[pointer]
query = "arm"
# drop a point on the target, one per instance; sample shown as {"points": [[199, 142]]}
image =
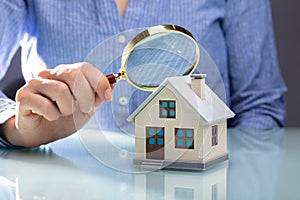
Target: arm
{"points": [[257, 88], [12, 25]]}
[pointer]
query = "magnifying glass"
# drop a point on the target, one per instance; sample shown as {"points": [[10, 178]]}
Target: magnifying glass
{"points": [[155, 54]]}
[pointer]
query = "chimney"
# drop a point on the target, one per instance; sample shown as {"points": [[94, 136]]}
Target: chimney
{"points": [[198, 84]]}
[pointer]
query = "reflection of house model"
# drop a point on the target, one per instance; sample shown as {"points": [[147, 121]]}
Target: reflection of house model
{"points": [[181, 125], [210, 185]]}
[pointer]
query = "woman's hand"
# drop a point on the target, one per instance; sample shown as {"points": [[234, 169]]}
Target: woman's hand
{"points": [[56, 104]]}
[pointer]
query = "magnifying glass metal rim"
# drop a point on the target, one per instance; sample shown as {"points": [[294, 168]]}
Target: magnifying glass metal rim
{"points": [[155, 30]]}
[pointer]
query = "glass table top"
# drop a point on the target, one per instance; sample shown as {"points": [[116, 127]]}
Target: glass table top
{"points": [[88, 165]]}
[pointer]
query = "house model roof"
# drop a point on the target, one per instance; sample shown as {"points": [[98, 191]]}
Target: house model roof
{"points": [[211, 109]]}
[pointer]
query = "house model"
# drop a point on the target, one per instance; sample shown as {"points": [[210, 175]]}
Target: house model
{"points": [[181, 125]]}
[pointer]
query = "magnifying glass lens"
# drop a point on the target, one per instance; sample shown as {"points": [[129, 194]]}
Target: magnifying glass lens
{"points": [[155, 54], [160, 56]]}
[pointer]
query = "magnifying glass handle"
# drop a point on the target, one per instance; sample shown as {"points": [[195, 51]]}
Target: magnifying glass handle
{"points": [[113, 78]]}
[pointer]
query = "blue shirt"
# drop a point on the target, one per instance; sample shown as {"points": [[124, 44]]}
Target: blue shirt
{"points": [[237, 34]]}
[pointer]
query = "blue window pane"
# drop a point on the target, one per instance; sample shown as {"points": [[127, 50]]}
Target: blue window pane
{"points": [[160, 141], [172, 104], [164, 104], [180, 143], [214, 130], [164, 113], [189, 133], [189, 143], [184, 193], [180, 133], [180, 195], [189, 196], [151, 141], [172, 113], [160, 132], [151, 132], [214, 141]]}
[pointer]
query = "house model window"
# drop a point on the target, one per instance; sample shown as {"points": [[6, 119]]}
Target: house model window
{"points": [[155, 136], [184, 193], [214, 139], [184, 138], [167, 109]]}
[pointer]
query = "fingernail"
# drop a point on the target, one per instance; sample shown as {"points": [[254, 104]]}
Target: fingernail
{"points": [[107, 94]]}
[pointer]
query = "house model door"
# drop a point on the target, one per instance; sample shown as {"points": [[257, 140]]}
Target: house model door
{"points": [[155, 142]]}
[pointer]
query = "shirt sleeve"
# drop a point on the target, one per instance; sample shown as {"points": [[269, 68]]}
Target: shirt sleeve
{"points": [[12, 28], [7, 110], [256, 86]]}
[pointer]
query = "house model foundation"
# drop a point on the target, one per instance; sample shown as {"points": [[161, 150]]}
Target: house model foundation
{"points": [[181, 125]]}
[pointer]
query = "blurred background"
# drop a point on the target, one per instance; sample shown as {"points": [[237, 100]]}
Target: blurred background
{"points": [[287, 35]]}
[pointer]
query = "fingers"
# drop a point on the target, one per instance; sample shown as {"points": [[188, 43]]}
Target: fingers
{"points": [[99, 83], [57, 92], [30, 102], [48, 98], [83, 80]]}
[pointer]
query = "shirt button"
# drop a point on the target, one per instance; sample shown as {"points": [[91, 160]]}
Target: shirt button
{"points": [[123, 101], [122, 38]]}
